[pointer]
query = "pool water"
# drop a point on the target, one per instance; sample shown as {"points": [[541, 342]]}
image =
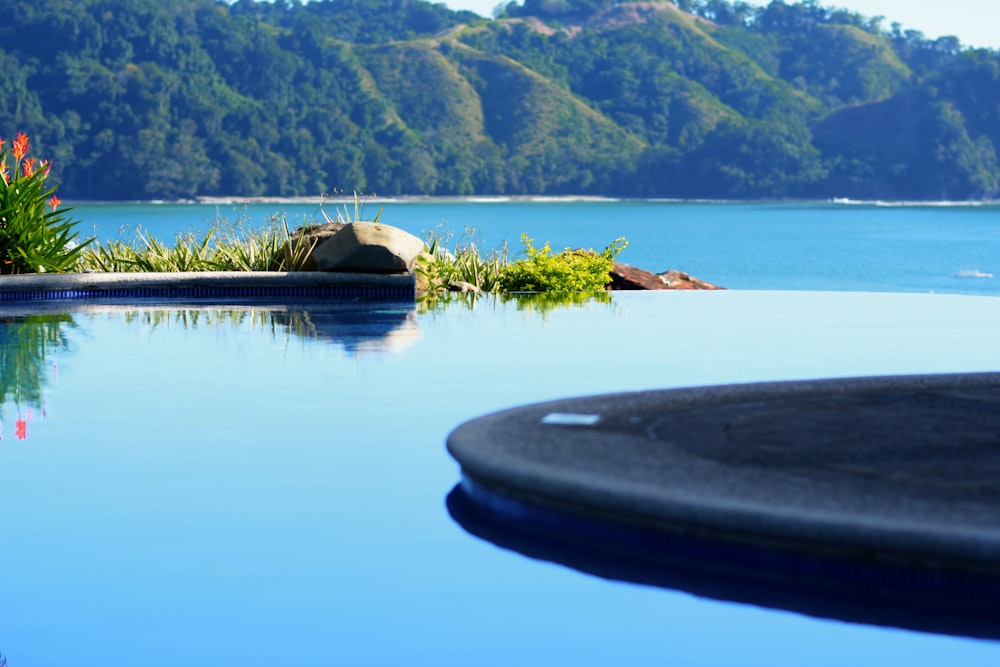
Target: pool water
{"points": [[220, 484]]}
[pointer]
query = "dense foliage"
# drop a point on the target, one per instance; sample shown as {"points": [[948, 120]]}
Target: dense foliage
{"points": [[36, 235], [151, 99], [566, 271], [536, 270]]}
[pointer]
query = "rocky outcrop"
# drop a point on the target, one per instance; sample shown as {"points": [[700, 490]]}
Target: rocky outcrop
{"points": [[680, 280], [366, 247], [626, 277]]}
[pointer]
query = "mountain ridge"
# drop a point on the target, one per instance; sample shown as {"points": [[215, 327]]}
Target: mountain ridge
{"points": [[699, 98]]}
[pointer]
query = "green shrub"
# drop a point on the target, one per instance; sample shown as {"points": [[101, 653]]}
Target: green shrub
{"points": [[35, 235], [567, 271], [582, 271], [442, 268]]}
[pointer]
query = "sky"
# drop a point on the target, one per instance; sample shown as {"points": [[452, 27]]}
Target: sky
{"points": [[974, 22]]}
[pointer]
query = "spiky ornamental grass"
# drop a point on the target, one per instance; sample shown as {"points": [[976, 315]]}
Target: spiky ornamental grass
{"points": [[224, 247]]}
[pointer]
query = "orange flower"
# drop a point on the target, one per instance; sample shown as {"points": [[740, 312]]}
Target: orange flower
{"points": [[54, 202], [20, 147], [21, 429], [47, 167], [29, 167]]}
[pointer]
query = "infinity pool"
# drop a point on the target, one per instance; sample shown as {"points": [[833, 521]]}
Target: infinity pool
{"points": [[219, 484]]}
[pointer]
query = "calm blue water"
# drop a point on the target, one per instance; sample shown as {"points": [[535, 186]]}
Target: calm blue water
{"points": [[266, 485], [822, 246]]}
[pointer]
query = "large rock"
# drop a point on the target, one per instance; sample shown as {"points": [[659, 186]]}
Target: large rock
{"points": [[297, 251], [626, 277], [368, 247]]}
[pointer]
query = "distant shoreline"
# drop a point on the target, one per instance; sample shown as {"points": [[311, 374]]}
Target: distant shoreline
{"points": [[526, 199]]}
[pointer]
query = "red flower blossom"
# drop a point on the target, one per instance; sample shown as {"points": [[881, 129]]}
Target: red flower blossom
{"points": [[21, 429], [20, 147], [29, 167], [54, 202]]}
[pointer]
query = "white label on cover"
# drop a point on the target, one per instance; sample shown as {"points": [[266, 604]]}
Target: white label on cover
{"points": [[570, 419]]}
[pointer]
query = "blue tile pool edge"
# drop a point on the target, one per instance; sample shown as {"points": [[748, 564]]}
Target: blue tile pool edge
{"points": [[208, 285]]}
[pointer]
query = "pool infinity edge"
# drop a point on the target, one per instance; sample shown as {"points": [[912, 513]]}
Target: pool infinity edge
{"points": [[209, 284]]}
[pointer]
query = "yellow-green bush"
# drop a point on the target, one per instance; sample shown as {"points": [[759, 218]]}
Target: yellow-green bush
{"points": [[567, 271]]}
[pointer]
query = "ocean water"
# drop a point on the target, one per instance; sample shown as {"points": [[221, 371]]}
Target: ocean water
{"points": [[212, 484], [839, 246]]}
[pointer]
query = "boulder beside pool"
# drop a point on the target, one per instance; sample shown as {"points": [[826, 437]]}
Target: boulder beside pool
{"points": [[297, 251], [368, 247]]}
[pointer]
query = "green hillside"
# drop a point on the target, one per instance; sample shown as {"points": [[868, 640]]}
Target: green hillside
{"points": [[164, 99]]}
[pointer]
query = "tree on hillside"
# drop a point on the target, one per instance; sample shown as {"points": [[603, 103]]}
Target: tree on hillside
{"points": [[144, 99]]}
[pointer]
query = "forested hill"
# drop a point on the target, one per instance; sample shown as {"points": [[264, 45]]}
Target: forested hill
{"points": [[151, 99]]}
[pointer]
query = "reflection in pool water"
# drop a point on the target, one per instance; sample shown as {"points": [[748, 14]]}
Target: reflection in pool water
{"points": [[26, 342], [879, 593], [241, 485]]}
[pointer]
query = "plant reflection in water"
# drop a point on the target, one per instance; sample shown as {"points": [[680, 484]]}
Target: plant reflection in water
{"points": [[542, 303], [27, 342], [358, 327]]}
